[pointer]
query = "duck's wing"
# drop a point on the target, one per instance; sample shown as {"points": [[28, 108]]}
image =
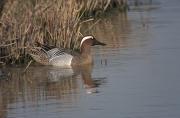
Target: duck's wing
{"points": [[43, 56], [51, 51], [48, 54], [55, 52]]}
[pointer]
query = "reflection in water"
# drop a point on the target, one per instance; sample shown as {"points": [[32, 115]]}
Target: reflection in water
{"points": [[113, 30], [4, 73], [45, 83]]}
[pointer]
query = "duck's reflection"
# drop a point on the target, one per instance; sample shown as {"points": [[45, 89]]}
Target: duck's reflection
{"points": [[41, 83], [52, 80], [90, 84], [57, 76]]}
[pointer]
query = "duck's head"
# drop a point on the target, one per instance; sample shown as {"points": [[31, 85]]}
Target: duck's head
{"points": [[90, 41]]}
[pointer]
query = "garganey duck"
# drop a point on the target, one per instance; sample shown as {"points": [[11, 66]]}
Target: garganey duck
{"points": [[50, 55]]}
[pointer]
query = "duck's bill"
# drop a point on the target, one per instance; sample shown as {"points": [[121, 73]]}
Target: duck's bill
{"points": [[99, 43]]}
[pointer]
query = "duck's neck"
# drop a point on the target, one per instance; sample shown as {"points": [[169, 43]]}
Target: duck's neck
{"points": [[86, 54]]}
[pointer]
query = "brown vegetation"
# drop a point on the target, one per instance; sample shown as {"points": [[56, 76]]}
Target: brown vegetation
{"points": [[55, 22]]}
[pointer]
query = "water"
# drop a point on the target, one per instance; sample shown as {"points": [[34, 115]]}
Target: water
{"points": [[135, 76]]}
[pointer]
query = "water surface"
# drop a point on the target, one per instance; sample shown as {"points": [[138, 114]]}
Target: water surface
{"points": [[135, 76]]}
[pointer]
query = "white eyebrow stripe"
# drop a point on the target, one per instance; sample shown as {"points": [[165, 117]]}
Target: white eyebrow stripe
{"points": [[85, 38]]}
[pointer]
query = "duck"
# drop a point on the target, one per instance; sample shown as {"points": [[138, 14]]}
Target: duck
{"points": [[61, 57]]}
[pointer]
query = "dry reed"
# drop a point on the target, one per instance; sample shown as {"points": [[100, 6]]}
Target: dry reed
{"points": [[55, 22]]}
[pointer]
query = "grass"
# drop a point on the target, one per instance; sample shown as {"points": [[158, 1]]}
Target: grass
{"points": [[54, 22]]}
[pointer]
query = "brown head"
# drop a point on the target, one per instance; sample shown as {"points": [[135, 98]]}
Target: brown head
{"points": [[88, 41], [85, 48]]}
